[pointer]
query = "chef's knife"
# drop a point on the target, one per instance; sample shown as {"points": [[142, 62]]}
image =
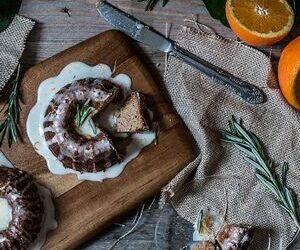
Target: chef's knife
{"points": [[142, 33]]}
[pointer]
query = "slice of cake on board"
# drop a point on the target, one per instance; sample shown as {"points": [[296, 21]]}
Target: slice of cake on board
{"points": [[133, 116]]}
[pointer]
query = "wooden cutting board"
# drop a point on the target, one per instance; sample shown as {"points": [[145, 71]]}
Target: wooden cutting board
{"points": [[84, 208]]}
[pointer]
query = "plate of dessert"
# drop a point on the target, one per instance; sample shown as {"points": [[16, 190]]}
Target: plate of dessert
{"points": [[115, 129], [26, 209], [90, 122]]}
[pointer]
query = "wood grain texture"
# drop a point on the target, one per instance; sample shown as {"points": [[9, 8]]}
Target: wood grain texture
{"points": [[55, 31], [157, 229], [84, 207]]}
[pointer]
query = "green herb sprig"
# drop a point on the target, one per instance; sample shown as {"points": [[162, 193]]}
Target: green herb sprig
{"points": [[251, 146], [84, 112], [9, 128], [199, 221], [151, 3]]}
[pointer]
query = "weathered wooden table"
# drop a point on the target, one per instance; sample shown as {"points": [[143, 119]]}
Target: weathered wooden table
{"points": [[55, 31]]}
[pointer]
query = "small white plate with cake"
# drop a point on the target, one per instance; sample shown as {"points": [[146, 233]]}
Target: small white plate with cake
{"points": [[27, 211], [123, 122]]}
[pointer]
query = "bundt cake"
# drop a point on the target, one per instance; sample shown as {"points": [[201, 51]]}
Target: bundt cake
{"points": [[91, 153], [133, 116], [22, 195], [73, 149], [235, 237]]}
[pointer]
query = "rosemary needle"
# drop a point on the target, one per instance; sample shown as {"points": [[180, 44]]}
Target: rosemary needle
{"points": [[250, 145], [9, 127]]}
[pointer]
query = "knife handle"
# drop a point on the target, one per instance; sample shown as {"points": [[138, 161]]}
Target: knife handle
{"points": [[245, 90]]}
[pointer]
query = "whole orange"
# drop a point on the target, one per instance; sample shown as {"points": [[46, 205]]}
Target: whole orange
{"points": [[260, 22], [289, 73]]}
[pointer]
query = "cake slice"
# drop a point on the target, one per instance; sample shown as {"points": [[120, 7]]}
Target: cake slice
{"points": [[133, 115], [235, 237]]}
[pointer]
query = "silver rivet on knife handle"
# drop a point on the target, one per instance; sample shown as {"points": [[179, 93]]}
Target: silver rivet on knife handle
{"points": [[142, 33]]}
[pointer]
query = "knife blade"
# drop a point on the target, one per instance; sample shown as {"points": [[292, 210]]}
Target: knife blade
{"points": [[144, 34]]}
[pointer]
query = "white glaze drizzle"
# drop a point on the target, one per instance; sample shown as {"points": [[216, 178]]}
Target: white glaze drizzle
{"points": [[108, 119], [4, 161], [87, 131], [49, 222], [5, 214], [46, 92]]}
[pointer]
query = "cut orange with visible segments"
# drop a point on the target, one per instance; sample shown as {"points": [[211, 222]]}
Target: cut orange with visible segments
{"points": [[289, 73], [260, 22]]}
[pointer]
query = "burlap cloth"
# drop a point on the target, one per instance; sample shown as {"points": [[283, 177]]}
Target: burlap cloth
{"points": [[206, 107], [12, 44]]}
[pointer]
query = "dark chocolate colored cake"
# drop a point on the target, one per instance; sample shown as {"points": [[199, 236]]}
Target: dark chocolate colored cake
{"points": [[74, 150], [18, 188]]}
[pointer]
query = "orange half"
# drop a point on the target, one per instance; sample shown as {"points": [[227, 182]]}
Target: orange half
{"points": [[260, 22], [289, 73]]}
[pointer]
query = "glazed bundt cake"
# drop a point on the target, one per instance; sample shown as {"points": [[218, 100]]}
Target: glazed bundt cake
{"points": [[133, 116], [73, 149], [87, 153], [22, 195]]}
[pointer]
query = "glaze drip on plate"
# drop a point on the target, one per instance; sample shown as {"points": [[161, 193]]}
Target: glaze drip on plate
{"points": [[32, 209], [18, 188], [5, 214], [47, 90]]}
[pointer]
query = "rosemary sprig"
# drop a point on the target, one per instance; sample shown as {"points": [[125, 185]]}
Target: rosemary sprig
{"points": [[251, 146], [9, 128], [151, 3], [84, 112], [199, 221]]}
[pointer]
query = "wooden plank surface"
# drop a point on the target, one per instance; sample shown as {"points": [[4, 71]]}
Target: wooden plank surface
{"points": [[55, 31], [85, 207]]}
